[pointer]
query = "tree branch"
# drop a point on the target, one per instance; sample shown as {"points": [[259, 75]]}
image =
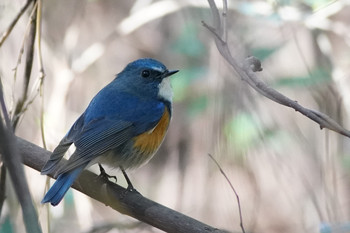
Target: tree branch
{"points": [[252, 64], [19, 109], [234, 191], [6, 33], [115, 196], [12, 161]]}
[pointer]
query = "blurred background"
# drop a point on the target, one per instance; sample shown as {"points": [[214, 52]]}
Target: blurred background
{"points": [[290, 175]]}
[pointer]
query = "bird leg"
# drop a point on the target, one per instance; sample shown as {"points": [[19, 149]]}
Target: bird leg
{"points": [[104, 175], [130, 186]]}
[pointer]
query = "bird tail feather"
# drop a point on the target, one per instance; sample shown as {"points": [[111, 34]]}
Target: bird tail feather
{"points": [[56, 156], [61, 186]]}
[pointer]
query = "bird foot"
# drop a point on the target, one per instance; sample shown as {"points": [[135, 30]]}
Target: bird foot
{"points": [[104, 175]]}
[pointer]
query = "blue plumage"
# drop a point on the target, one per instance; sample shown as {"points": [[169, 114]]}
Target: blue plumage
{"points": [[125, 112], [61, 186]]}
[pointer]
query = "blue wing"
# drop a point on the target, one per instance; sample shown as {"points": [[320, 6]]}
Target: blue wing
{"points": [[63, 146], [98, 137]]}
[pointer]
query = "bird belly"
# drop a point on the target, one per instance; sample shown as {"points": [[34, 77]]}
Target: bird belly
{"points": [[140, 149]]}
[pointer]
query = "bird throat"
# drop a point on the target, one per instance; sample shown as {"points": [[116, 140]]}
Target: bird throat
{"points": [[165, 91]]}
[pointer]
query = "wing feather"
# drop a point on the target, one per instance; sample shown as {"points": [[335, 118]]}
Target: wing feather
{"points": [[63, 146], [102, 135]]}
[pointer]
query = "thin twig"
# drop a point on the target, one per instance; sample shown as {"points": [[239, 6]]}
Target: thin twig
{"points": [[3, 107], [27, 71], [3, 169], [247, 74], [7, 32], [233, 189], [21, 51], [20, 106], [41, 71], [2, 185], [224, 20]]}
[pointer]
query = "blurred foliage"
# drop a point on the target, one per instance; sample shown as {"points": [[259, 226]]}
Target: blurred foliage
{"points": [[197, 106], [318, 76], [242, 131], [188, 43], [316, 4], [182, 83], [263, 53]]}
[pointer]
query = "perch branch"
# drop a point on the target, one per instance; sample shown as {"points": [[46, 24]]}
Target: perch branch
{"points": [[115, 196]]}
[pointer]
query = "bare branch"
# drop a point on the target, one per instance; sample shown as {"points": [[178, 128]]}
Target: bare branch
{"points": [[12, 160], [27, 71], [41, 70], [233, 189], [3, 170], [247, 73], [7, 32], [2, 185]]}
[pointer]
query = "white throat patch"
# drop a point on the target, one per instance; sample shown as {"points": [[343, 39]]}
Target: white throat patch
{"points": [[165, 90]]}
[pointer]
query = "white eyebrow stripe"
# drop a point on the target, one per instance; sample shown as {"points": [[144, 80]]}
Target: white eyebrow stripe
{"points": [[157, 68]]}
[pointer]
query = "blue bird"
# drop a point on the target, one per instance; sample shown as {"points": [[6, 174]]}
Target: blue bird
{"points": [[123, 126]]}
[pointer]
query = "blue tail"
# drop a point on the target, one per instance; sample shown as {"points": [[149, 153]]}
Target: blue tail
{"points": [[61, 186]]}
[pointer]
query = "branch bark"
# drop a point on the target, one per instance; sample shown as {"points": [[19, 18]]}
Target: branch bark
{"points": [[115, 196]]}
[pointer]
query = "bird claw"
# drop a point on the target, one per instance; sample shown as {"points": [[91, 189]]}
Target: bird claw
{"points": [[104, 175], [129, 189]]}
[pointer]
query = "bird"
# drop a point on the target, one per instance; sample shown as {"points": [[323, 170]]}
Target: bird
{"points": [[123, 126]]}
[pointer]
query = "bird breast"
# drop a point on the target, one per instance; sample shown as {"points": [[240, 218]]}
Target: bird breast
{"points": [[147, 143]]}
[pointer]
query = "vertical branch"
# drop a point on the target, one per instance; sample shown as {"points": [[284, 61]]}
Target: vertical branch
{"points": [[28, 69], [14, 165], [41, 71], [2, 185], [11, 159], [224, 20], [3, 170]]}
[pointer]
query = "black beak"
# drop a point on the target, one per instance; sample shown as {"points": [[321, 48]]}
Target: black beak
{"points": [[168, 73]]}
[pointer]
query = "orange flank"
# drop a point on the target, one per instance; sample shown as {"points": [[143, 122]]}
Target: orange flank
{"points": [[148, 142]]}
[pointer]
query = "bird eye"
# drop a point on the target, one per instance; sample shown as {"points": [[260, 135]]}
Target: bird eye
{"points": [[145, 73]]}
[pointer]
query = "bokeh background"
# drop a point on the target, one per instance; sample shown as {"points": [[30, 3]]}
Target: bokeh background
{"points": [[290, 175]]}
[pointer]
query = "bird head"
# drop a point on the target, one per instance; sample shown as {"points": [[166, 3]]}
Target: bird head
{"points": [[148, 78]]}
